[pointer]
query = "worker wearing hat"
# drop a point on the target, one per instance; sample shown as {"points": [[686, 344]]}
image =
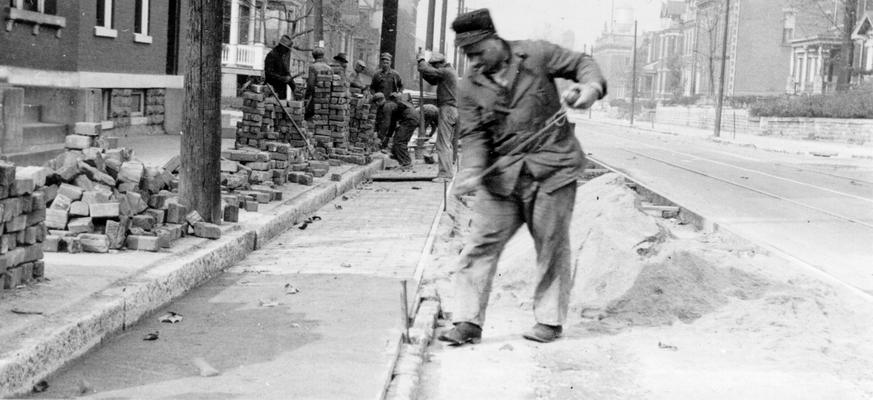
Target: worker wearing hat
{"points": [[386, 81], [318, 66], [437, 72], [277, 65], [359, 76], [510, 122]]}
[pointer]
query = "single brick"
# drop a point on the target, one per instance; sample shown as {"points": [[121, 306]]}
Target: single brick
{"points": [[143, 221], [105, 210], [81, 225], [145, 243], [79, 209], [78, 142], [207, 230], [94, 243]]}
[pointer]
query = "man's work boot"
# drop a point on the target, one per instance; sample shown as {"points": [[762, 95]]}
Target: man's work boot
{"points": [[543, 333], [463, 332]]}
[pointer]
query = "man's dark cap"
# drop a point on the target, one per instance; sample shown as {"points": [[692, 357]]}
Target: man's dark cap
{"points": [[385, 56], [317, 53], [341, 57], [473, 27]]}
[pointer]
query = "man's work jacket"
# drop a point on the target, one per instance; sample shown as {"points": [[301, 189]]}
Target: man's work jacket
{"points": [[446, 80], [386, 82], [315, 68], [277, 72], [496, 119]]}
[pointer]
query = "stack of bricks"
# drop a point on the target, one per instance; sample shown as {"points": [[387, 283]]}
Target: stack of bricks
{"points": [[339, 108], [23, 210], [258, 125], [362, 124], [103, 199], [321, 98], [294, 130], [247, 172]]}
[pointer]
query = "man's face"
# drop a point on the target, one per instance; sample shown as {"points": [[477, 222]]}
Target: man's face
{"points": [[344, 64], [385, 64], [359, 68], [487, 55]]}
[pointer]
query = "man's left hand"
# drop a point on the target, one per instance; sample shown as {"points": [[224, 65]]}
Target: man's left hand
{"points": [[581, 96]]}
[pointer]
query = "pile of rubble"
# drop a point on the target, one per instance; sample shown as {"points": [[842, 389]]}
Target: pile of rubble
{"points": [[23, 209], [102, 199]]}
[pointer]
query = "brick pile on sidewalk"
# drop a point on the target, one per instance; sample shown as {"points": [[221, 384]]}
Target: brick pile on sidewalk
{"points": [[102, 199], [23, 211], [362, 132]]}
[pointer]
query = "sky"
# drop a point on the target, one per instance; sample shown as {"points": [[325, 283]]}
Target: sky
{"points": [[548, 19]]}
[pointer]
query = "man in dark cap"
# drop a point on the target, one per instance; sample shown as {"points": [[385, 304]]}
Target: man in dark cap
{"points": [[437, 72], [277, 65], [509, 116], [386, 81], [407, 122], [359, 77], [318, 66]]}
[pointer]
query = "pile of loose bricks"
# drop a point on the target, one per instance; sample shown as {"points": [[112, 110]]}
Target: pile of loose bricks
{"points": [[362, 133], [23, 208], [101, 199]]}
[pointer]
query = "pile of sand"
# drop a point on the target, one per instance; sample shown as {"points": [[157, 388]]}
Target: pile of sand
{"points": [[630, 269]]}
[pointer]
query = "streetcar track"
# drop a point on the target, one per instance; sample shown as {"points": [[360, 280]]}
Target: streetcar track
{"points": [[832, 191], [848, 178], [749, 188]]}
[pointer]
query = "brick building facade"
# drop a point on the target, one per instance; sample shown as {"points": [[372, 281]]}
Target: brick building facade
{"points": [[111, 61]]}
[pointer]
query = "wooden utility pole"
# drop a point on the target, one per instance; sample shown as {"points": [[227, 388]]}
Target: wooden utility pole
{"points": [[431, 11], [318, 7], [201, 141], [633, 108], [720, 101], [388, 39], [443, 25]]}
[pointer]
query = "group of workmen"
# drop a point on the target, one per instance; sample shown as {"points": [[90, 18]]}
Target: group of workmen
{"points": [[396, 118], [520, 156]]}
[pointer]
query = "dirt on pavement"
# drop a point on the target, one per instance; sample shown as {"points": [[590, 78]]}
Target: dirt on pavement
{"points": [[659, 311]]}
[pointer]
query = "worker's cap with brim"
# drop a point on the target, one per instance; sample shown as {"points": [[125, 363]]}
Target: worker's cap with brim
{"points": [[341, 57], [378, 96], [317, 52], [436, 57], [473, 27], [361, 64], [386, 56], [286, 41]]}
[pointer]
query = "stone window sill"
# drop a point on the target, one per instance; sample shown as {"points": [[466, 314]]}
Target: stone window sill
{"points": [[14, 15], [140, 38], [103, 31]]}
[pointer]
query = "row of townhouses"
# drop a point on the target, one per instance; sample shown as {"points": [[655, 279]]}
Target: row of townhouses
{"points": [[122, 63], [773, 47]]}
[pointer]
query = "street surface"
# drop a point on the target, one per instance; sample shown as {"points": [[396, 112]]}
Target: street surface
{"points": [[314, 314], [816, 209]]}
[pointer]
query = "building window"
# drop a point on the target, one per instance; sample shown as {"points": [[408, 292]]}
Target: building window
{"points": [[137, 103], [107, 104], [141, 22], [105, 24], [788, 22], [41, 6]]}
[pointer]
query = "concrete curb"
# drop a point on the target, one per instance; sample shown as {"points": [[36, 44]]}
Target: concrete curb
{"points": [[407, 369], [59, 339]]}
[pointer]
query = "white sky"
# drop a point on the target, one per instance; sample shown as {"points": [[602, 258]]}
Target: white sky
{"points": [[545, 19]]}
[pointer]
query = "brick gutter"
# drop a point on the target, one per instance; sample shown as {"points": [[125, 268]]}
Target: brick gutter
{"points": [[63, 336]]}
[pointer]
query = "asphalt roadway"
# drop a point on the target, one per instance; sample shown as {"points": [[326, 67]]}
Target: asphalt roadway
{"points": [[816, 210]]}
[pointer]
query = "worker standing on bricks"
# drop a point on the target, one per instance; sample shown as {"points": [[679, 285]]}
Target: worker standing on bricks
{"points": [[514, 132]]}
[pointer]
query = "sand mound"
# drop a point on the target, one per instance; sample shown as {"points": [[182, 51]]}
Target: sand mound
{"points": [[684, 286]]}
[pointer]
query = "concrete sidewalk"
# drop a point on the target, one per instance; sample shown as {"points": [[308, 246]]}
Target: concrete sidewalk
{"points": [[91, 296], [767, 143]]}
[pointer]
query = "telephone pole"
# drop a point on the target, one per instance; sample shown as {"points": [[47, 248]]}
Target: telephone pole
{"points": [[431, 11], [388, 39], [201, 144], [318, 8], [443, 25], [720, 102], [633, 108]]}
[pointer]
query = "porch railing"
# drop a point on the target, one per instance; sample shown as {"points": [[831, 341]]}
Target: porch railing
{"points": [[243, 56]]}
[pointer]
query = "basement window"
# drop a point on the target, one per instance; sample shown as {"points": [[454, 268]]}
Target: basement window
{"points": [[137, 103]]}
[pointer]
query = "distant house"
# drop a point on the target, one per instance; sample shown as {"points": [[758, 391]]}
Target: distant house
{"points": [[863, 36], [110, 61]]}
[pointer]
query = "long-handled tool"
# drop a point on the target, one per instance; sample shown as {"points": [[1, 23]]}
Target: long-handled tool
{"points": [[558, 119], [309, 147]]}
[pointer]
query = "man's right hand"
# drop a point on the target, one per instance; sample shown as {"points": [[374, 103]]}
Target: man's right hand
{"points": [[467, 180]]}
